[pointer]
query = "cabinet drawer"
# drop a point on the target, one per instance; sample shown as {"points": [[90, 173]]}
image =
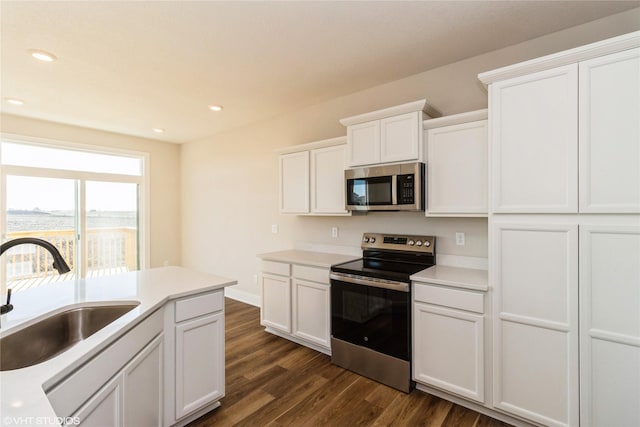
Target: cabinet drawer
{"points": [[314, 274], [447, 297], [199, 305], [279, 268]]}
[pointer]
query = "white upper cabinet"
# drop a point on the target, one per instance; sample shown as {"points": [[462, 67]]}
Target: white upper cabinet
{"points": [[294, 182], [364, 143], [610, 133], [457, 165], [567, 139], [534, 122], [400, 137], [327, 180], [387, 136], [312, 178]]}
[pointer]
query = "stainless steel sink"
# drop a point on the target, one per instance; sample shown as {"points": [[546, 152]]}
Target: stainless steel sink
{"points": [[55, 334]]}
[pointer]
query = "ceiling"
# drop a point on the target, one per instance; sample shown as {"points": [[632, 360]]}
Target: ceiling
{"points": [[131, 66]]}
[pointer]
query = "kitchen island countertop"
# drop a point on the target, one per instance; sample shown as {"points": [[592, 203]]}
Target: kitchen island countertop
{"points": [[23, 399]]}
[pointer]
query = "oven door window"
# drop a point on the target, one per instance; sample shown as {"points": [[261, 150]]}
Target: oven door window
{"points": [[369, 191], [372, 317]]}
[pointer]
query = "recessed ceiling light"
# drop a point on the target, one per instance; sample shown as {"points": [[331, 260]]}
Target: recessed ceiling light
{"points": [[42, 55], [216, 107], [158, 130], [14, 101]]}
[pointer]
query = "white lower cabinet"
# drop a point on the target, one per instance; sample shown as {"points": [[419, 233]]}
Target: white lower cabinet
{"points": [[198, 381], [122, 385], [143, 387], [275, 311], [535, 320], [610, 325], [296, 303], [448, 336], [105, 408], [132, 398], [548, 272], [311, 321]]}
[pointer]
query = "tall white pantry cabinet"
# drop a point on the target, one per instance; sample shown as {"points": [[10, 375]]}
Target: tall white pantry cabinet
{"points": [[565, 235]]}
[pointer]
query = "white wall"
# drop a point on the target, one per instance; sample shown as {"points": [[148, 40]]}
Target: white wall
{"points": [[229, 180], [164, 158]]}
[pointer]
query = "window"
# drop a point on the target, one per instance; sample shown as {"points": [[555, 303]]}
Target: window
{"points": [[88, 203]]}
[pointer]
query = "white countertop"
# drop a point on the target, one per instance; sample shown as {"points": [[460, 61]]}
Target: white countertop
{"points": [[22, 398], [316, 259], [466, 278]]}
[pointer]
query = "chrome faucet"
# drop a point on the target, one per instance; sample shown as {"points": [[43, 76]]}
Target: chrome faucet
{"points": [[58, 262]]}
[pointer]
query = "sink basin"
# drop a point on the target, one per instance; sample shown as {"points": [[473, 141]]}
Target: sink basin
{"points": [[55, 334]]}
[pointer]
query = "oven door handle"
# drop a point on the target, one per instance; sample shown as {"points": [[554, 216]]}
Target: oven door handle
{"points": [[370, 281]]}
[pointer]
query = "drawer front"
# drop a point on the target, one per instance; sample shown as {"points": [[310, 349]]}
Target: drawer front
{"points": [[279, 268], [448, 297], [191, 307], [313, 274]]}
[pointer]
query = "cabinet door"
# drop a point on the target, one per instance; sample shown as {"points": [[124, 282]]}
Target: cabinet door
{"points": [[311, 311], [294, 182], [327, 180], [363, 141], [534, 141], [199, 363], [275, 311], [105, 408], [143, 387], [609, 133], [535, 347], [610, 325], [449, 350], [457, 168], [400, 137]]}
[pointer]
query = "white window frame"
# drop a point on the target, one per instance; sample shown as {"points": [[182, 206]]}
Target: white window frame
{"points": [[143, 182]]}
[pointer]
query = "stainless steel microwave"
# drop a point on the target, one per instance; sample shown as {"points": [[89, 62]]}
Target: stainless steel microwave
{"points": [[398, 187]]}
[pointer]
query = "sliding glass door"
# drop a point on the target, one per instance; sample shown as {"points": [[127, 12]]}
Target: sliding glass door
{"points": [[88, 205], [45, 208]]}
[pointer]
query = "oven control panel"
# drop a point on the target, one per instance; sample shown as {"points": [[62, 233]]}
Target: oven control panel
{"points": [[425, 244]]}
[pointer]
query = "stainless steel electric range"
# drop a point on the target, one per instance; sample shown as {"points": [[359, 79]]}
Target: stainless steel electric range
{"points": [[371, 307]]}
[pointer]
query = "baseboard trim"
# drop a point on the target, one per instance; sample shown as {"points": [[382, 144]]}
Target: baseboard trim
{"points": [[242, 296]]}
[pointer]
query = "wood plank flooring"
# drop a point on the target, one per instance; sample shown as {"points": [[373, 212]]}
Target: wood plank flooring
{"points": [[271, 381]]}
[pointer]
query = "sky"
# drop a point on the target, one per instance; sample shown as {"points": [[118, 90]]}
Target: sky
{"points": [[27, 193], [51, 194]]}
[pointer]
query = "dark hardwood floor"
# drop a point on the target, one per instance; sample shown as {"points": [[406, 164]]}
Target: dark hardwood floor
{"points": [[271, 381]]}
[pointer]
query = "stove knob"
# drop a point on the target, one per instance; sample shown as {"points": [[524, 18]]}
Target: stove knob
{"points": [[411, 243], [418, 243], [372, 240], [427, 243], [365, 239]]}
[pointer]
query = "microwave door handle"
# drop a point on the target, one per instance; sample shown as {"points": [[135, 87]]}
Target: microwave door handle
{"points": [[394, 190]]}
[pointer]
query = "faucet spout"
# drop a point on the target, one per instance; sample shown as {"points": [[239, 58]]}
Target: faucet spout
{"points": [[58, 262]]}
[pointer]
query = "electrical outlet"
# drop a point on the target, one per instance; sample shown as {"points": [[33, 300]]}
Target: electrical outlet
{"points": [[274, 228], [255, 278], [334, 231], [460, 239]]}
